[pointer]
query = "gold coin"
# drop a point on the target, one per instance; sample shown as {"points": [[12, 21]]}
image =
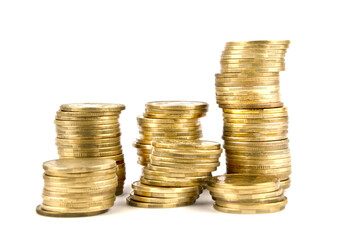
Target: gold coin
{"points": [[88, 154], [166, 183], [161, 200], [248, 84], [276, 162], [78, 204], [237, 181], [252, 55], [176, 112], [87, 114], [92, 107], [260, 105], [78, 166], [256, 111], [92, 123], [170, 125], [165, 195], [169, 130], [197, 144], [258, 46], [72, 180], [257, 166], [171, 190], [247, 60], [156, 205], [246, 75], [87, 198], [186, 161], [183, 156], [174, 175], [194, 166], [253, 206], [241, 197], [255, 139], [85, 137], [93, 189], [187, 181], [187, 151], [77, 149], [71, 118], [177, 105], [171, 116], [178, 170], [46, 213], [87, 131], [248, 211], [142, 119], [228, 51], [260, 42], [148, 139], [103, 182], [142, 146], [261, 200], [76, 210], [285, 184]]}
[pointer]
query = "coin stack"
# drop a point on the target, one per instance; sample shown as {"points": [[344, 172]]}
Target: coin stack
{"points": [[176, 173], [168, 120], [247, 194], [255, 121], [78, 188], [91, 131]]}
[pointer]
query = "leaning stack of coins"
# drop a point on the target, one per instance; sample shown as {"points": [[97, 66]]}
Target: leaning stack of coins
{"points": [[78, 188], [168, 120], [91, 131], [255, 121], [176, 173], [247, 194]]}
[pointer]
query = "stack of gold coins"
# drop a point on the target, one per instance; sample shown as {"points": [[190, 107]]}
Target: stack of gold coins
{"points": [[255, 121], [247, 194], [168, 120], [91, 131], [176, 173], [78, 188]]}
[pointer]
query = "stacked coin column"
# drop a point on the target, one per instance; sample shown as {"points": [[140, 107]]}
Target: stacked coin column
{"points": [[247, 194], [255, 121], [91, 131], [168, 120], [78, 188], [176, 173]]}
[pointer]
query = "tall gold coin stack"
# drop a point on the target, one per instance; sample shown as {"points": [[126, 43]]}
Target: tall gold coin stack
{"points": [[91, 131], [176, 173], [247, 194], [255, 121], [168, 120], [78, 188]]}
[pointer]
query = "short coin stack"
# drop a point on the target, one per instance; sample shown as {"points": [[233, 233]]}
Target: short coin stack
{"points": [[91, 131], [168, 120], [255, 121], [176, 173], [78, 188], [247, 194]]}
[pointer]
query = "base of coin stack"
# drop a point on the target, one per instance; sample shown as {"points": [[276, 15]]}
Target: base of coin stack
{"points": [[78, 188], [176, 173], [91, 131], [247, 194], [168, 120], [255, 121]]}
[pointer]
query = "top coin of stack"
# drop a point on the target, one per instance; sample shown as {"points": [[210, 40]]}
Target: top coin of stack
{"points": [[78, 188], [168, 120], [247, 194], [249, 75], [91, 131]]}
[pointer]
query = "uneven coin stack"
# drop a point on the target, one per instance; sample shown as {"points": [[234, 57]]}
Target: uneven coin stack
{"points": [[176, 173], [78, 188], [247, 194], [168, 120], [255, 121], [91, 131]]}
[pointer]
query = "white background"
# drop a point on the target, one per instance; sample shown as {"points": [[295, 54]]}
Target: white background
{"points": [[131, 52]]}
